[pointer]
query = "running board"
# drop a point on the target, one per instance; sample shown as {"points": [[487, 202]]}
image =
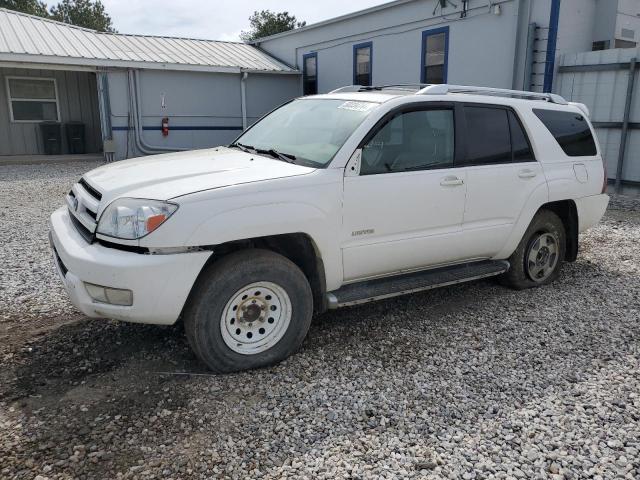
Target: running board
{"points": [[377, 289]]}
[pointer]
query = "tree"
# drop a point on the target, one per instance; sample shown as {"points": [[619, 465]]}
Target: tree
{"points": [[83, 13], [266, 22], [32, 7]]}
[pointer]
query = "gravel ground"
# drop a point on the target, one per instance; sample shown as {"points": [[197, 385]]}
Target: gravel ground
{"points": [[473, 381]]}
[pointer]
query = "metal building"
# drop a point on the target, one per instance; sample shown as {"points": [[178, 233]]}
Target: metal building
{"points": [[498, 43], [125, 88]]}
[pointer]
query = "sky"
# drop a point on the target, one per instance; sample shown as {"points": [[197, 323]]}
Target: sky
{"points": [[216, 19]]}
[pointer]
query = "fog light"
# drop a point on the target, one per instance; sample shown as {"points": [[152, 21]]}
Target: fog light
{"points": [[113, 296]]}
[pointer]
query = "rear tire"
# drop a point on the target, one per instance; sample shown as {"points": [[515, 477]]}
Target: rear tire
{"points": [[251, 309], [539, 256]]}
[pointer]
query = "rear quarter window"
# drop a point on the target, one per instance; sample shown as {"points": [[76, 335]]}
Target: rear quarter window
{"points": [[570, 130]]}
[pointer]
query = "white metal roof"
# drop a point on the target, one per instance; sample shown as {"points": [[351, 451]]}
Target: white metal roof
{"points": [[30, 39]]}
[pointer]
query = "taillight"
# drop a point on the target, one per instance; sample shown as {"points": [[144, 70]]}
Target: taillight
{"points": [[605, 179]]}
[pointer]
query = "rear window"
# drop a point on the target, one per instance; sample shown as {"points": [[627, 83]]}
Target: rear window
{"points": [[570, 130]]}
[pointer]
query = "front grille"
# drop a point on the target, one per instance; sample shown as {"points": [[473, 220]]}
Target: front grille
{"points": [[87, 234], [83, 201], [92, 191]]}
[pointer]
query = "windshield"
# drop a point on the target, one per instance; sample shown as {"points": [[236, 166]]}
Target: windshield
{"points": [[306, 131]]}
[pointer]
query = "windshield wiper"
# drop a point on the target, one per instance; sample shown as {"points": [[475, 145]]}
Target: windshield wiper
{"points": [[285, 157], [244, 148], [272, 152]]}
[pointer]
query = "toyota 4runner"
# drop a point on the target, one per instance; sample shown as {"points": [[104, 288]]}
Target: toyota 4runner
{"points": [[328, 201]]}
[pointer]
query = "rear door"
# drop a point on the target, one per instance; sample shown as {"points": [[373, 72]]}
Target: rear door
{"points": [[501, 173]]}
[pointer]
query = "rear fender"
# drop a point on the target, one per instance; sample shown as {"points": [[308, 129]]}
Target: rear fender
{"points": [[538, 197]]}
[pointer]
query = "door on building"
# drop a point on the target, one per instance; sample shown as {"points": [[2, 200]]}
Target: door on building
{"points": [[405, 208]]}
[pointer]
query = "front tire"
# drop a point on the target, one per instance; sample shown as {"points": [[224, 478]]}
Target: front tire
{"points": [[251, 309], [540, 254]]}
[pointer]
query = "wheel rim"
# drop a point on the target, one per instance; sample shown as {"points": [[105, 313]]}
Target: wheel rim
{"points": [[542, 256], [256, 318]]}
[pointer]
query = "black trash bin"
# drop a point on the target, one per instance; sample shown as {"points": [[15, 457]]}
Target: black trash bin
{"points": [[75, 137], [51, 137]]}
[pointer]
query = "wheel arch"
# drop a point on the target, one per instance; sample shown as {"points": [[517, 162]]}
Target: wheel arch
{"points": [[298, 247], [568, 213]]}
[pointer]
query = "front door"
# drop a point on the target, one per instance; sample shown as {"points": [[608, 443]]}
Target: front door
{"points": [[404, 209]]}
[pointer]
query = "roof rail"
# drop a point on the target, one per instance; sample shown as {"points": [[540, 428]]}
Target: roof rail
{"points": [[372, 88], [348, 88], [442, 89]]}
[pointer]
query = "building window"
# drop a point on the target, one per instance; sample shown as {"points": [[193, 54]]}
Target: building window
{"points": [[628, 33], [435, 55], [601, 45], [32, 99], [310, 73], [362, 73], [624, 44]]}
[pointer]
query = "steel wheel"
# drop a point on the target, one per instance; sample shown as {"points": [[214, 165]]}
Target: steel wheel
{"points": [[542, 257], [256, 318]]}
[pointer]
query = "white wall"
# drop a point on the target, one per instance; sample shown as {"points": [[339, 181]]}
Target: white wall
{"points": [[485, 49], [481, 46], [627, 18], [605, 21]]}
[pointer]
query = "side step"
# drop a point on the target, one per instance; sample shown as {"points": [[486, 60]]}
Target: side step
{"points": [[370, 290]]}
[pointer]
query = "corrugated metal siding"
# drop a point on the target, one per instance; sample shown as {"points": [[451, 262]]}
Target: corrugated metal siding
{"points": [[78, 100], [22, 34], [604, 92], [206, 114]]}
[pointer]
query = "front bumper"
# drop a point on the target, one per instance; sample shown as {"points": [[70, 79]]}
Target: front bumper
{"points": [[160, 283]]}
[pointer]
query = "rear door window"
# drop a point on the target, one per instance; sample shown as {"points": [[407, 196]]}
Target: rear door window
{"points": [[570, 130], [488, 136]]}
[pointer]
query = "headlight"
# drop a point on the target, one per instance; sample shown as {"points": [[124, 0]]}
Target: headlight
{"points": [[133, 218]]}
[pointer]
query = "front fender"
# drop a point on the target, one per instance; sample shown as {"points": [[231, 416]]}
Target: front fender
{"points": [[276, 219]]}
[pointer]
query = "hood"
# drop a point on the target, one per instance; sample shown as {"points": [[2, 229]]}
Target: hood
{"points": [[166, 176]]}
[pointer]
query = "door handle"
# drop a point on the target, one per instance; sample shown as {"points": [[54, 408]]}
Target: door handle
{"points": [[451, 181], [526, 173]]}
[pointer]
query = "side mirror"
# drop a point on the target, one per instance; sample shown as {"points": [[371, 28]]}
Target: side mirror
{"points": [[353, 165]]}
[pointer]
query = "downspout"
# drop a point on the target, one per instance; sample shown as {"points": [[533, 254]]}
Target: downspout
{"points": [[527, 81], [552, 37], [521, 24], [104, 104], [137, 121], [243, 99]]}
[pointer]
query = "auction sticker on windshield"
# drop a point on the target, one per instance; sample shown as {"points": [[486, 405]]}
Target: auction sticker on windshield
{"points": [[358, 106]]}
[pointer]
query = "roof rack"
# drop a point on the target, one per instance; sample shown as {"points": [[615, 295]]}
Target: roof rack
{"points": [[373, 88], [443, 89]]}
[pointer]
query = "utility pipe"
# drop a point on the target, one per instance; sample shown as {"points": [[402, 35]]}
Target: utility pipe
{"points": [[243, 99], [137, 121]]}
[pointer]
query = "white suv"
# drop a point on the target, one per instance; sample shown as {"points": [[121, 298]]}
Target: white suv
{"points": [[332, 200]]}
